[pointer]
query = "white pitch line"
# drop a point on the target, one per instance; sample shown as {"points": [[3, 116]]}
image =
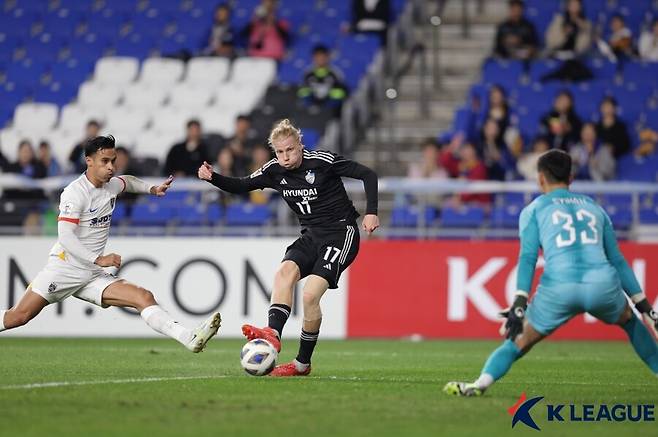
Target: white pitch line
{"points": [[108, 381]]}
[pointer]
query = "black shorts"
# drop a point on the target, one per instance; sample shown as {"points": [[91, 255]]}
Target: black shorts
{"points": [[326, 251]]}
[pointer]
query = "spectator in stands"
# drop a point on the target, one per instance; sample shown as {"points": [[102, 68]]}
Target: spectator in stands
{"points": [[323, 84], [49, 162], [590, 160], [649, 43], [27, 163], [496, 157], [527, 164], [267, 35], [562, 125], [498, 109], [77, 155], [570, 34], [648, 142], [469, 167], [516, 37], [429, 167], [260, 155], [4, 162], [123, 164], [221, 32], [184, 159], [621, 37], [371, 16], [242, 143], [226, 163], [612, 131]]}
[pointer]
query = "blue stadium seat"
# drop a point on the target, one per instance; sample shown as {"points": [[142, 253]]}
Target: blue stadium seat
{"points": [[152, 21], [407, 216], [62, 21], [310, 138], [541, 67], [106, 22], [506, 216], [152, 214], [631, 168], [59, 93], [192, 215], [89, 45], [12, 93], [650, 118], [17, 22], [73, 71], [290, 73], [134, 44], [468, 216], [120, 213], [33, 6], [8, 44], [27, 72], [215, 213], [44, 47], [247, 214], [639, 73], [649, 216], [505, 73], [602, 68], [622, 218], [631, 99]]}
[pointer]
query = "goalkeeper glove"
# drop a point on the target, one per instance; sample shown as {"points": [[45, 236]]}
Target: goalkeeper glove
{"points": [[516, 315], [644, 307]]}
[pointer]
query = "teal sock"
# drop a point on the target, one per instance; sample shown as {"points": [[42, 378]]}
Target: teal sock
{"points": [[500, 361], [642, 342]]}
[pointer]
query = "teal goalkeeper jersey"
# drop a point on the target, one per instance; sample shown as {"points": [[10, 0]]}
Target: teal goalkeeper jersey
{"points": [[578, 242]]}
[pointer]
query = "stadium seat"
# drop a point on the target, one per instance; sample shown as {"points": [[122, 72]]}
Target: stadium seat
{"points": [[62, 21], [506, 73], [37, 117], [97, 95], [126, 123], [238, 97], [89, 45], [247, 214], [649, 216], [253, 71], [74, 117], [9, 140], [206, 72], [134, 44], [45, 47], [506, 216], [161, 72], [61, 144], [154, 144], [187, 95], [116, 70], [72, 71], [215, 213], [59, 93], [140, 96], [219, 120], [152, 214], [27, 72], [467, 216], [171, 120], [407, 216]]}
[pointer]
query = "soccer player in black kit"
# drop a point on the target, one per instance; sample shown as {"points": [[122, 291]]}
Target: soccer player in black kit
{"points": [[310, 182]]}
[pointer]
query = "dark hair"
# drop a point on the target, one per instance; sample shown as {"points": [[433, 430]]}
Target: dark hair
{"points": [[320, 48], [44, 144], [99, 143], [123, 150], [93, 122], [566, 10], [243, 117], [555, 165], [511, 3], [193, 122], [609, 99]]}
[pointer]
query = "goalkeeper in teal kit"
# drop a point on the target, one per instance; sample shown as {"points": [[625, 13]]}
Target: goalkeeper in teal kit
{"points": [[584, 272]]}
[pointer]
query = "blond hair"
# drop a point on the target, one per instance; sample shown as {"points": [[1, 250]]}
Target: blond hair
{"points": [[282, 130]]}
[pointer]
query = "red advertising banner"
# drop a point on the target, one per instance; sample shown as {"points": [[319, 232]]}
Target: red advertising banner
{"points": [[454, 289]]}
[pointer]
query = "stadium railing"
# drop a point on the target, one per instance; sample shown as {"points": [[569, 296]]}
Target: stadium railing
{"points": [[416, 194]]}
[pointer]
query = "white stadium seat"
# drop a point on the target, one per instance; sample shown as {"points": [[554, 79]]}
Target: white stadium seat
{"points": [[61, 144], [96, 95], [9, 140], [74, 118], [156, 145], [240, 99], [253, 71], [203, 72], [144, 98], [35, 117], [172, 121], [116, 70], [161, 72], [125, 124], [218, 120], [187, 96]]}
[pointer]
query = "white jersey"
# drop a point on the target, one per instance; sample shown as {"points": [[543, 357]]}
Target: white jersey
{"points": [[91, 209]]}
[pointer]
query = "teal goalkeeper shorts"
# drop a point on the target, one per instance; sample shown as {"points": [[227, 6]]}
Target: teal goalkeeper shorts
{"points": [[552, 307]]}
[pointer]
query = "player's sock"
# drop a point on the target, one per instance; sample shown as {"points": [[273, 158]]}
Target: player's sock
{"points": [[301, 367], [2, 320], [278, 316], [161, 322], [307, 343], [499, 362], [642, 342]]}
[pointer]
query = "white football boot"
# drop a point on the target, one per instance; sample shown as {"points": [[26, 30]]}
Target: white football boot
{"points": [[204, 332]]}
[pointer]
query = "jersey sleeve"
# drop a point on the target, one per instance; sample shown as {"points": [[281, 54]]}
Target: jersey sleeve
{"points": [[345, 167], [258, 180], [117, 185], [71, 206], [628, 280], [530, 244]]}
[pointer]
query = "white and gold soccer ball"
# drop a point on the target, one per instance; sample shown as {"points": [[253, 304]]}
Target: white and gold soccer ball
{"points": [[258, 357]]}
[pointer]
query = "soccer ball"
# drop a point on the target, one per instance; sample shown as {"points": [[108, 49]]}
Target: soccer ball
{"points": [[258, 357]]}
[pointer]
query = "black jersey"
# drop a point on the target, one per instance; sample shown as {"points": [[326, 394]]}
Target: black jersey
{"points": [[314, 190]]}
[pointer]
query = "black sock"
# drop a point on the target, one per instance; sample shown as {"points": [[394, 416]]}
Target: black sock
{"points": [[307, 343], [278, 316]]}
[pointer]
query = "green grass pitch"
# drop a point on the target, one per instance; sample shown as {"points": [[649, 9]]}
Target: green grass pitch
{"points": [[156, 388]]}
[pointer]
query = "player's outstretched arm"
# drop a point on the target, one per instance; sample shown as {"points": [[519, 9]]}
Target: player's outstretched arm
{"points": [[352, 169], [132, 184], [232, 185]]}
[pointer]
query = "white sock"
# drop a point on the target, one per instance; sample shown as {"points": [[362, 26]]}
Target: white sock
{"points": [[2, 320], [301, 367], [484, 381], [161, 322]]}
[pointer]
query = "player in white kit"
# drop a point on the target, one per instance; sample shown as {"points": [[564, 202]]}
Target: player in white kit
{"points": [[76, 261]]}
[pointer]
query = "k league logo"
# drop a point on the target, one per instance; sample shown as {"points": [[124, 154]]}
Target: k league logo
{"points": [[563, 413]]}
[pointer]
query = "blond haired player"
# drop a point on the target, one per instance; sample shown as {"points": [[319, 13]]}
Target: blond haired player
{"points": [[76, 261], [310, 182]]}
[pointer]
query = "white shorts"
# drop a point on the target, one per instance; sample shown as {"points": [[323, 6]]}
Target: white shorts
{"points": [[59, 280]]}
